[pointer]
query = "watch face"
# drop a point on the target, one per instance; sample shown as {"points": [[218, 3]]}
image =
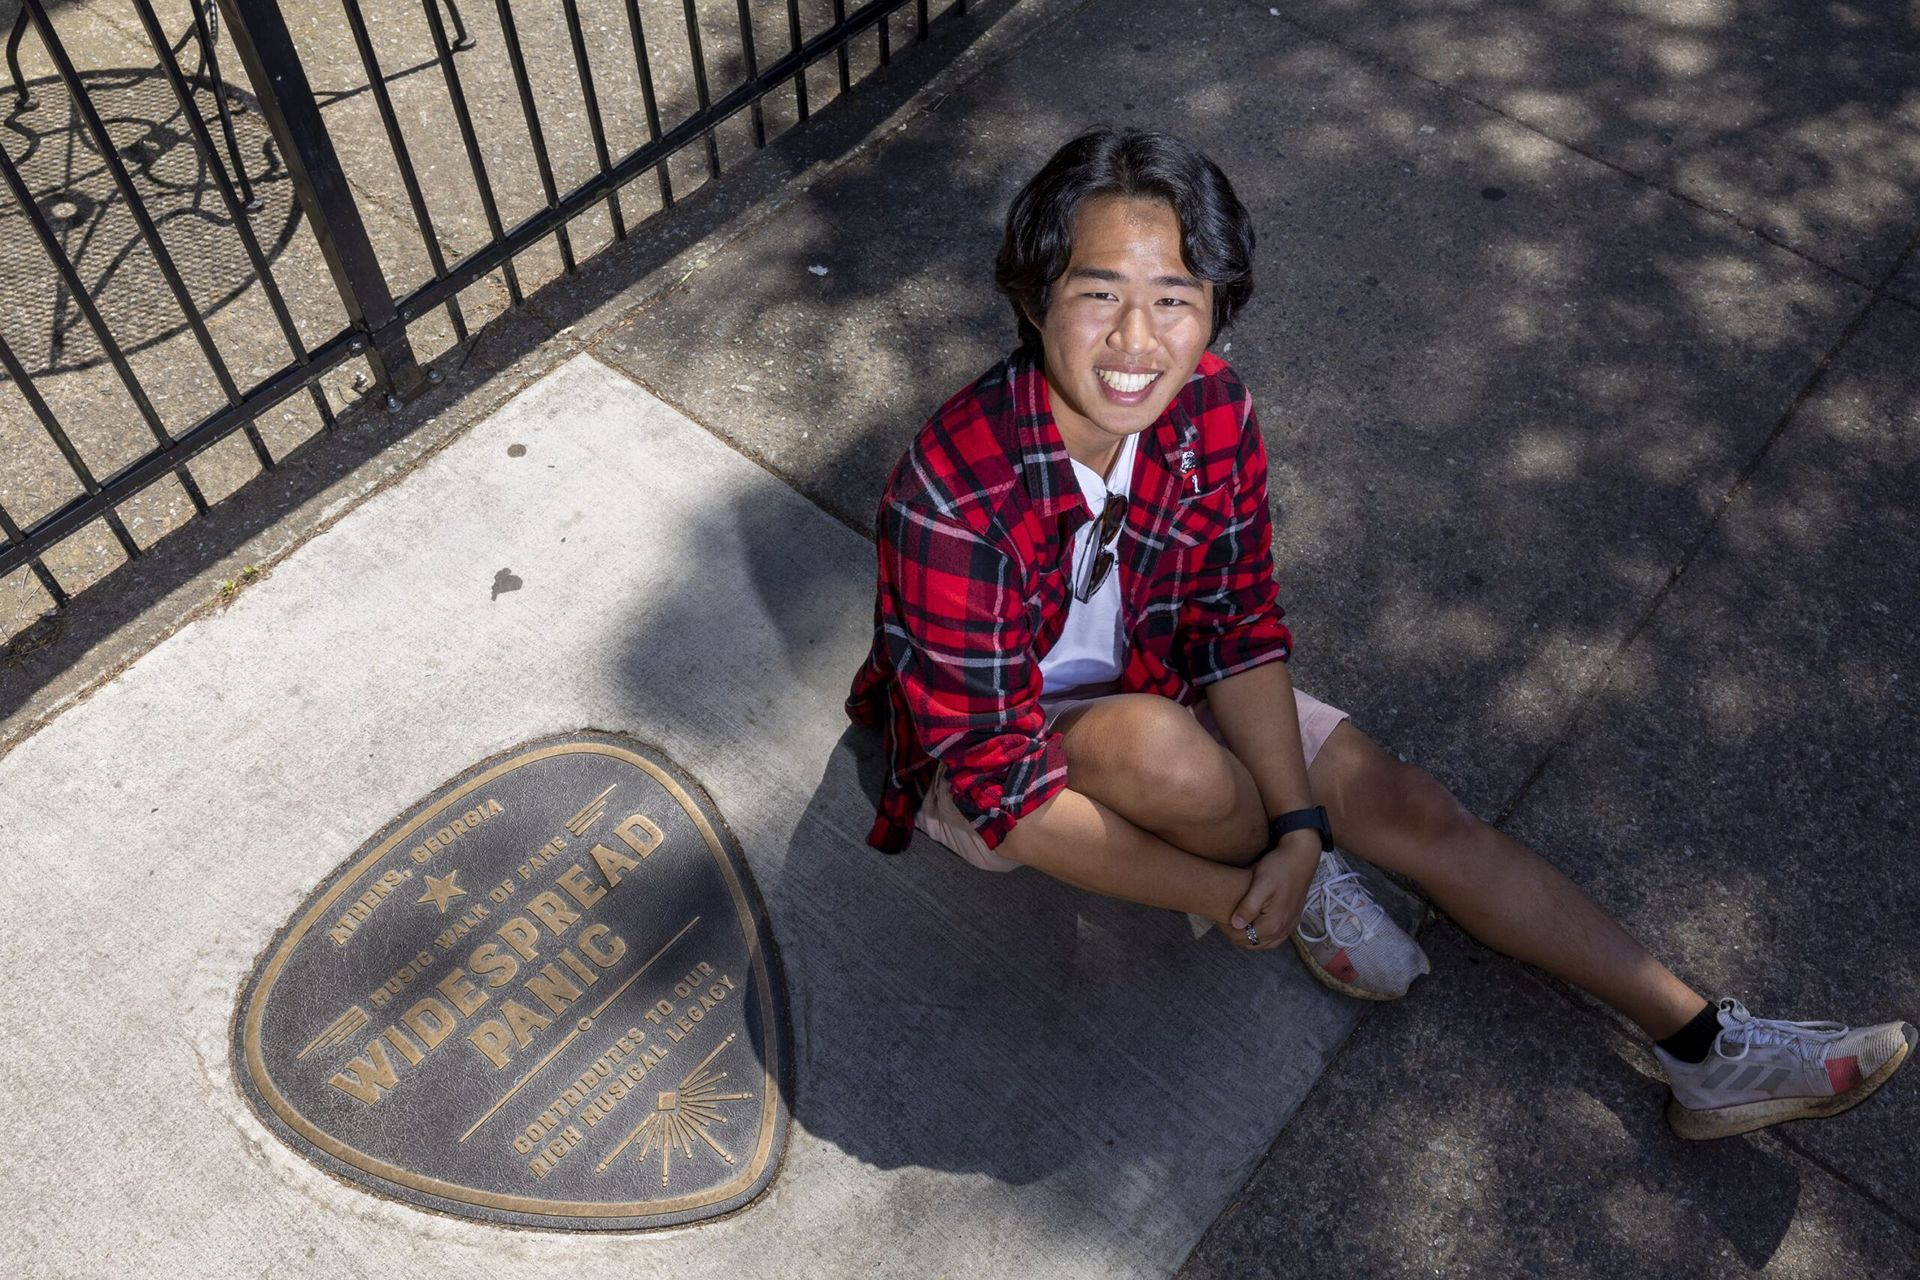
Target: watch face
{"points": [[1326, 828]]}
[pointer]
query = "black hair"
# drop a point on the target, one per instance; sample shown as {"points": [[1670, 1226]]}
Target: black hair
{"points": [[1216, 232]]}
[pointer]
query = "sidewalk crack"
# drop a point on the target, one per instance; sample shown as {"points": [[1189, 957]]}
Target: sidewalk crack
{"points": [[1385, 63]]}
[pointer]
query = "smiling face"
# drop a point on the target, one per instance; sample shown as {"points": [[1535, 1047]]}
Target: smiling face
{"points": [[1126, 325]]}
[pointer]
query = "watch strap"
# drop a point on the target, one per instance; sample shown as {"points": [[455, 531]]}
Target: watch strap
{"points": [[1299, 820]]}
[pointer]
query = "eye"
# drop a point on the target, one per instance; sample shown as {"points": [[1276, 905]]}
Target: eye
{"points": [[1173, 302]]}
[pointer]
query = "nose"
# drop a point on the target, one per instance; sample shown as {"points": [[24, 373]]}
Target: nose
{"points": [[1133, 334]]}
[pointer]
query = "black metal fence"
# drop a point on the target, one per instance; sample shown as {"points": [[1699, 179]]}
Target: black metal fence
{"points": [[111, 304]]}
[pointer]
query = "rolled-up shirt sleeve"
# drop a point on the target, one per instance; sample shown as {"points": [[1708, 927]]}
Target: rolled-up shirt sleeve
{"points": [[959, 641], [1230, 613]]}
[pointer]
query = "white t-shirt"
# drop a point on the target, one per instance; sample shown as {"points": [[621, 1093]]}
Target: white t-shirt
{"points": [[1092, 647]]}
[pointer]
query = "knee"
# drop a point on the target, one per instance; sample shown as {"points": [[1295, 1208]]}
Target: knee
{"points": [[1164, 757], [1423, 810]]}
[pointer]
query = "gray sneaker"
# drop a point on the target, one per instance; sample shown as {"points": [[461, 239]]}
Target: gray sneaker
{"points": [[1349, 942], [1762, 1071]]}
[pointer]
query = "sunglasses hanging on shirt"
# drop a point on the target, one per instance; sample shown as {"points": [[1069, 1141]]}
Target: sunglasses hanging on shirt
{"points": [[1112, 516]]}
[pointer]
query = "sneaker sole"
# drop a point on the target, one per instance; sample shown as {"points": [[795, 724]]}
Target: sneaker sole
{"points": [[1333, 983], [1725, 1122]]}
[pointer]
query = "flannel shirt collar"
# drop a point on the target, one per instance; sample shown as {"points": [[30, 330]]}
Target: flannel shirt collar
{"points": [[1165, 459]]}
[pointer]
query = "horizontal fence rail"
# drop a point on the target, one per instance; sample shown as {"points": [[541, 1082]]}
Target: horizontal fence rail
{"points": [[136, 254]]}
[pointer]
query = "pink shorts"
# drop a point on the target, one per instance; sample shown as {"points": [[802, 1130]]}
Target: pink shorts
{"points": [[940, 818]]}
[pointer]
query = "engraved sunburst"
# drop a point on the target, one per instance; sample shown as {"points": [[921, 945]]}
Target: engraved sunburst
{"points": [[682, 1115]]}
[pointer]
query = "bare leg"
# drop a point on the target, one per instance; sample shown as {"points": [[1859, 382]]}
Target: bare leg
{"points": [[1079, 840], [1148, 759], [1399, 817], [1156, 812]]}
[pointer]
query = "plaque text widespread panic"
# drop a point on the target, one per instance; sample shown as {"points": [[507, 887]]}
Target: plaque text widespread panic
{"points": [[547, 996]]}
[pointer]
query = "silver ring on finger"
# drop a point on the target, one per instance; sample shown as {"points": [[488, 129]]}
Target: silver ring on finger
{"points": [[1253, 936]]}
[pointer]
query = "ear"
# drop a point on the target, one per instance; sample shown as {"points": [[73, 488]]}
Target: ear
{"points": [[1037, 321]]}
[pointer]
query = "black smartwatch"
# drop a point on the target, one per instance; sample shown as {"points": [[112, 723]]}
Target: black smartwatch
{"points": [[1302, 819]]}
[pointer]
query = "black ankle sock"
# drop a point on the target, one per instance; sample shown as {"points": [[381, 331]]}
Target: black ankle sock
{"points": [[1694, 1041]]}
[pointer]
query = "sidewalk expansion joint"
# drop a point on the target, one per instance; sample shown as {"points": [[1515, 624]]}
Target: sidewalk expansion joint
{"points": [[909, 114], [1847, 1180], [1879, 292], [1617, 1026], [1584, 702], [923, 102], [1727, 216], [752, 455]]}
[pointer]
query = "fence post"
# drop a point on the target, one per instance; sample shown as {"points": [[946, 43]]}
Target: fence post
{"points": [[260, 34]]}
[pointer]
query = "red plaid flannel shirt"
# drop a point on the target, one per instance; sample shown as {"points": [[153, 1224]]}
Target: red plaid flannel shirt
{"points": [[975, 538]]}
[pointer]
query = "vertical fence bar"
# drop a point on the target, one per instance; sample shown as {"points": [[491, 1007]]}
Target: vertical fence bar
{"points": [[468, 140], [149, 233], [886, 37], [534, 133], [47, 580], [56, 433], [286, 98], [594, 124], [24, 101], [376, 81], [753, 72], [840, 20], [701, 97], [644, 65], [920, 21], [203, 142], [71, 278], [211, 63], [800, 75]]}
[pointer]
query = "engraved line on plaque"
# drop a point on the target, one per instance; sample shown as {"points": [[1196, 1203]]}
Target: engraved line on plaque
{"points": [[337, 1032], [582, 822]]}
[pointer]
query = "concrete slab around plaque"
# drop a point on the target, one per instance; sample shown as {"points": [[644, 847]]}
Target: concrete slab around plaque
{"points": [[992, 1075]]}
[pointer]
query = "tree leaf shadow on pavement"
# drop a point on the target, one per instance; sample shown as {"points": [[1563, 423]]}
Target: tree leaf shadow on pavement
{"points": [[1798, 119], [1498, 428], [1474, 1129]]}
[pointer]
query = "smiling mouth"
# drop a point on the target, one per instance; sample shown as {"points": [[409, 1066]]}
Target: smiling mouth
{"points": [[1127, 385]]}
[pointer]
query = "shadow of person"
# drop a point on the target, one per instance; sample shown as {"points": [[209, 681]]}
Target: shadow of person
{"points": [[1013, 1026], [1744, 1192]]}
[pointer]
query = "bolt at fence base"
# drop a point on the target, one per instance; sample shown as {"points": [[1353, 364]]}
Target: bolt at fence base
{"points": [[393, 404], [435, 376]]}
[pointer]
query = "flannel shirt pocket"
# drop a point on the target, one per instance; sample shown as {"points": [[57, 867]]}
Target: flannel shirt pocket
{"points": [[1201, 519]]}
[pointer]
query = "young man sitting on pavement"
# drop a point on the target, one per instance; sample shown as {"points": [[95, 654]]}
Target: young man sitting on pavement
{"points": [[1079, 662]]}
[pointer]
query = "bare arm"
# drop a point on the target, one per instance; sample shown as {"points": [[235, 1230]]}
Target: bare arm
{"points": [[1256, 714]]}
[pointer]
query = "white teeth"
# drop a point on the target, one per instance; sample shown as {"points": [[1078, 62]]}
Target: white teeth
{"points": [[1125, 383]]}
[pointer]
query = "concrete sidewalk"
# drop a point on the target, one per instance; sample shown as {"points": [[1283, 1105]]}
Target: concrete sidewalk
{"points": [[1585, 351], [998, 1075]]}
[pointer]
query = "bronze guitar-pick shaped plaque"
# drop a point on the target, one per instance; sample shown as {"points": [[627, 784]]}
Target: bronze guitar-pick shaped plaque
{"points": [[547, 996]]}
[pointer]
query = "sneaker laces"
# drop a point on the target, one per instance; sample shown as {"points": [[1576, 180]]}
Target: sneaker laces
{"points": [[1807, 1039], [1359, 916]]}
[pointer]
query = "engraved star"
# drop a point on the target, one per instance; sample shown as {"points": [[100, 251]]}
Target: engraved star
{"points": [[441, 890]]}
